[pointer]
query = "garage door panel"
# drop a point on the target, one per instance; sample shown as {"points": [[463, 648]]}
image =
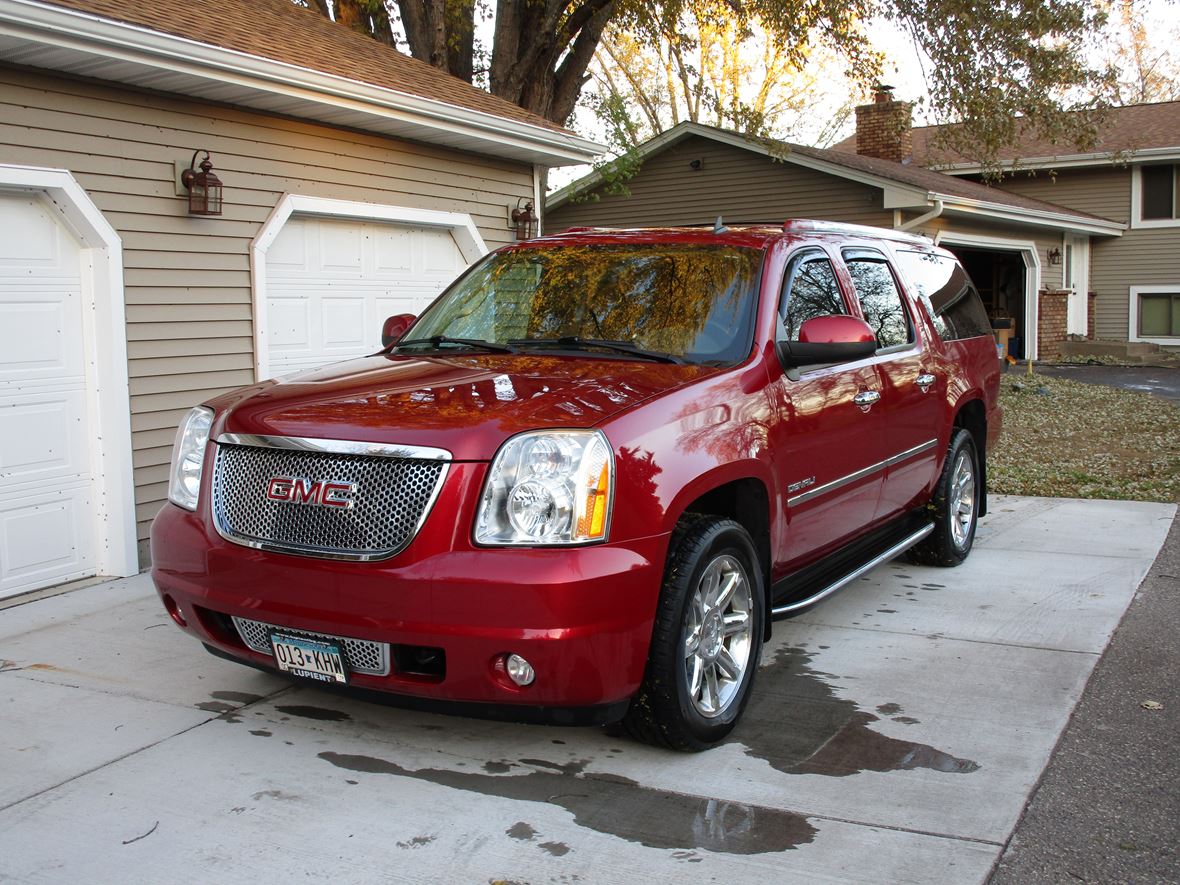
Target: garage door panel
{"points": [[43, 439], [33, 239], [40, 333], [345, 325], [290, 323], [46, 514], [392, 250], [40, 539], [288, 253], [340, 247], [351, 275], [439, 252]]}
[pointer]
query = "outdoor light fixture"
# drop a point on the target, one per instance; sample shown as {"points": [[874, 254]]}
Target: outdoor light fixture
{"points": [[1054, 256], [524, 222], [204, 188]]}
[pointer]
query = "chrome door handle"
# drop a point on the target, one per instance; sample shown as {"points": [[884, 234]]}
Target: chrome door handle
{"points": [[924, 381], [866, 397]]}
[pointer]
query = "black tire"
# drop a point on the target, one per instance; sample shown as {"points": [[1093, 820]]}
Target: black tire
{"points": [[954, 527], [667, 711]]}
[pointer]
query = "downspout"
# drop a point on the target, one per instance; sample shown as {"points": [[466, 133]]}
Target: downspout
{"points": [[538, 203], [922, 219]]}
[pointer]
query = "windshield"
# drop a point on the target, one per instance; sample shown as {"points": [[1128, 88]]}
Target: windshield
{"points": [[688, 301]]}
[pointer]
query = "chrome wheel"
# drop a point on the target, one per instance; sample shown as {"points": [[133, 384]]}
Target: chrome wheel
{"points": [[718, 636], [962, 499]]}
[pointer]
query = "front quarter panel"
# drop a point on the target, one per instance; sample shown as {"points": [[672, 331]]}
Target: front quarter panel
{"points": [[672, 450]]}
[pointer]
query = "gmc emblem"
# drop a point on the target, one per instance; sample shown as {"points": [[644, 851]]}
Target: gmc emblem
{"points": [[320, 492]]}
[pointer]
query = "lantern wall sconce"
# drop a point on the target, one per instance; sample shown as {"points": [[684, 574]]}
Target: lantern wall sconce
{"points": [[1054, 256], [204, 188], [524, 219]]}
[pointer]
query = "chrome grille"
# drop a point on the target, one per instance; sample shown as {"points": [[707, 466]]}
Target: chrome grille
{"points": [[391, 500], [360, 655]]}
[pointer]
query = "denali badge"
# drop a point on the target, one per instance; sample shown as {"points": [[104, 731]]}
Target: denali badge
{"points": [[298, 490]]}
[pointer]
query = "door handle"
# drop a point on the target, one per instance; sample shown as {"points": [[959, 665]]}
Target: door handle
{"points": [[866, 398], [924, 381]]}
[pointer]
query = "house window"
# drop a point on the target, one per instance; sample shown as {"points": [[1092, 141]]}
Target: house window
{"points": [[1158, 192], [1159, 315]]}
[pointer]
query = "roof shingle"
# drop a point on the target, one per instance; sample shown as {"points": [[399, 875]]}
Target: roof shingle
{"points": [[281, 31], [1127, 129]]}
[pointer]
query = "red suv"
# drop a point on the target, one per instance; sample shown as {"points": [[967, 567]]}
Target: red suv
{"points": [[578, 488]]}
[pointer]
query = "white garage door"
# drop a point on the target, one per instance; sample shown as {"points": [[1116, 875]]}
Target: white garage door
{"points": [[46, 521], [331, 283]]}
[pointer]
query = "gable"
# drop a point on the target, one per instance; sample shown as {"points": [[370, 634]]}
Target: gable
{"points": [[738, 184]]}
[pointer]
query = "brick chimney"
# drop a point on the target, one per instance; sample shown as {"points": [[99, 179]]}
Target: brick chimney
{"points": [[883, 127]]}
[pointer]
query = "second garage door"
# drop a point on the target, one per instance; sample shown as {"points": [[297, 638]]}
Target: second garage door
{"points": [[331, 283]]}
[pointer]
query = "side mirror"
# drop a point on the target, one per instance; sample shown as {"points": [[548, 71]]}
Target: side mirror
{"points": [[828, 339], [395, 327]]}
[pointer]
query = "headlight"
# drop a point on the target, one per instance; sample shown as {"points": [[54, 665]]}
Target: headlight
{"points": [[548, 487], [188, 456]]}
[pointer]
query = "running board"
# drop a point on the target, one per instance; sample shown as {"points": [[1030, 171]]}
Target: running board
{"points": [[902, 545]]}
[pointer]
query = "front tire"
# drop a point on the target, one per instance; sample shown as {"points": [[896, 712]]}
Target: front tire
{"points": [[707, 638], [955, 506]]}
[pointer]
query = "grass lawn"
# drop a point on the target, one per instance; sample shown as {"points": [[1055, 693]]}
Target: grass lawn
{"points": [[1065, 439]]}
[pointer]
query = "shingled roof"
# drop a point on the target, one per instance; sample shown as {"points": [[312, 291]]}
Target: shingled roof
{"points": [[282, 31], [923, 185], [1127, 130]]}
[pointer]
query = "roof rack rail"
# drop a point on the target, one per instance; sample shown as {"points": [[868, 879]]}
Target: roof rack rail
{"points": [[792, 225]]}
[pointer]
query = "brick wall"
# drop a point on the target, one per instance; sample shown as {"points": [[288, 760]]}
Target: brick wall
{"points": [[1051, 322], [1090, 316], [883, 129]]}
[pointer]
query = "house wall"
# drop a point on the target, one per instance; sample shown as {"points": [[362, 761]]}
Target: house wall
{"points": [[187, 279], [737, 184], [1138, 258], [1044, 238]]}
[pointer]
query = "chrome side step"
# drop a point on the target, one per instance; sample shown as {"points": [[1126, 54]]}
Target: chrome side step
{"points": [[884, 556]]}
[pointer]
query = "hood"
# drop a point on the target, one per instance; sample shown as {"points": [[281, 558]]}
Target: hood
{"points": [[467, 404]]}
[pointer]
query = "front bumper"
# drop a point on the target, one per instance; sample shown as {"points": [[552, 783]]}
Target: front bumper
{"points": [[581, 616]]}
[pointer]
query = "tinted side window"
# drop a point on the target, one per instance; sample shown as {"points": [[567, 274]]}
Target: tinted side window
{"points": [[880, 301], [811, 291], [948, 294]]}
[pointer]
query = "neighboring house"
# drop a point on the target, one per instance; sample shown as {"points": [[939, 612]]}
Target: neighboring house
{"points": [[357, 182], [1028, 256], [1132, 175]]}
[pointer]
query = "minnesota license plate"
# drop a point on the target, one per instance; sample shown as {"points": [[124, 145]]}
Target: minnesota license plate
{"points": [[309, 658]]}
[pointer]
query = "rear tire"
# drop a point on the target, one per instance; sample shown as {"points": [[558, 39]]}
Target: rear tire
{"points": [[955, 506], [707, 638]]}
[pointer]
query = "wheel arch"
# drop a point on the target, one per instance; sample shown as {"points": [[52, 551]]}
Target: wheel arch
{"points": [[745, 500]]}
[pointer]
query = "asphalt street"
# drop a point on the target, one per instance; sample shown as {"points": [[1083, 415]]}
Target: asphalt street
{"points": [[1161, 382]]}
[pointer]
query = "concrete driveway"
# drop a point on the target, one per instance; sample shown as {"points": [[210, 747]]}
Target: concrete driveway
{"points": [[895, 735]]}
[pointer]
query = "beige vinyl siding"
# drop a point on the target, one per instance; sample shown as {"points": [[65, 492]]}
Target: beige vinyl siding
{"points": [[739, 185], [1044, 239], [187, 279], [1140, 257]]}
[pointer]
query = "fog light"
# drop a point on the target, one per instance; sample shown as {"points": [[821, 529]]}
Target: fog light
{"points": [[174, 611], [519, 670]]}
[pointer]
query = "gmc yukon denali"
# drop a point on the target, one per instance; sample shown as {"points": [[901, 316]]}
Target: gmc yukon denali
{"points": [[581, 485]]}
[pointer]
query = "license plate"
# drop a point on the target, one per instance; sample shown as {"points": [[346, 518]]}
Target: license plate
{"points": [[309, 658]]}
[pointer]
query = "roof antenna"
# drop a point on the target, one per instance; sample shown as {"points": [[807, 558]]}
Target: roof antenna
{"points": [[719, 226]]}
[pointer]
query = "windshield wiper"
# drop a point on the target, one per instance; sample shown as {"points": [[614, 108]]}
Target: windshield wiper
{"points": [[575, 342], [474, 343]]}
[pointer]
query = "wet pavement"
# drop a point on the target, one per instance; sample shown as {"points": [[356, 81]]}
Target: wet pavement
{"points": [[895, 734], [1158, 381]]}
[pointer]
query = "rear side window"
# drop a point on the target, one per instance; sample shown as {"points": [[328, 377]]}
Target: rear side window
{"points": [[880, 300], [811, 291], [948, 293]]}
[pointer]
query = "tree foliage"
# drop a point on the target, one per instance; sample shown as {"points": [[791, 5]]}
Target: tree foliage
{"points": [[996, 65]]}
